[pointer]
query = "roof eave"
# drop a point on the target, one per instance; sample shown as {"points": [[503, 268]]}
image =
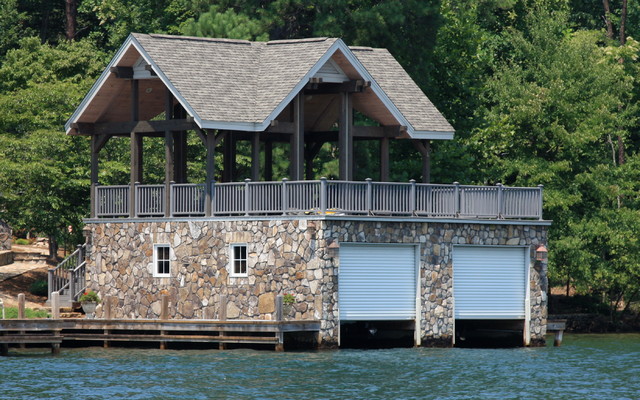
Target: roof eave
{"points": [[130, 41], [98, 84], [432, 135]]}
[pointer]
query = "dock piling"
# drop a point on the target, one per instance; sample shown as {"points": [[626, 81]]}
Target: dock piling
{"points": [[164, 315], [222, 316], [55, 305], [279, 316]]}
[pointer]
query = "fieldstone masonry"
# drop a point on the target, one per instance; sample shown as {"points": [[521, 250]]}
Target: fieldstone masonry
{"points": [[296, 255]]}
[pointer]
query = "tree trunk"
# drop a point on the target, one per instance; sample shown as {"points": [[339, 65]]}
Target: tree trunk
{"points": [[623, 22], [71, 11], [607, 18], [53, 248]]}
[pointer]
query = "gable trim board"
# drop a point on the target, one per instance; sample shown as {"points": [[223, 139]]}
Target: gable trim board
{"points": [[491, 282], [258, 126]]}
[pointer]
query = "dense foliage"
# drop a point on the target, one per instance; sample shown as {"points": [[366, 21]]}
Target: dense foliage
{"points": [[539, 91]]}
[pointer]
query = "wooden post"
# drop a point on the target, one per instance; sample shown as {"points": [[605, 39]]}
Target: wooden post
{"points": [[136, 149], [168, 153], [557, 340], [211, 169], [222, 316], [164, 310], [279, 317], [55, 305], [107, 312], [345, 137], [21, 315], [384, 159], [268, 160], [94, 174], [164, 315], [229, 155], [296, 154], [21, 301], [255, 157]]}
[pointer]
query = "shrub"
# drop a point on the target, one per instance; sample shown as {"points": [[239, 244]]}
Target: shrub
{"points": [[39, 288], [23, 242]]}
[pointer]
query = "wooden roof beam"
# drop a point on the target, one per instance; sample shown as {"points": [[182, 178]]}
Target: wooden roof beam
{"points": [[122, 72], [116, 128], [352, 86]]}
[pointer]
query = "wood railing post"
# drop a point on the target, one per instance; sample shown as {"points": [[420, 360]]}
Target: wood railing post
{"points": [[456, 199], [50, 277], [541, 188], [55, 305], [285, 196], [72, 284], [323, 195], [412, 197], [369, 197], [500, 201], [247, 200]]}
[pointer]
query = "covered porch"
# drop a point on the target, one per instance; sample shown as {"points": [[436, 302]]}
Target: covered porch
{"points": [[298, 95]]}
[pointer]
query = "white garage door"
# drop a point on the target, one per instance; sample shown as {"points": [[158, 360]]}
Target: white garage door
{"points": [[377, 282], [490, 282]]}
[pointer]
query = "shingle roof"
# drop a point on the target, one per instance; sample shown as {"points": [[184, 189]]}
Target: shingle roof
{"points": [[246, 84], [402, 90]]}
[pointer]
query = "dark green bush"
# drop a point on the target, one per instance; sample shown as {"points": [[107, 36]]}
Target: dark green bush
{"points": [[39, 288]]}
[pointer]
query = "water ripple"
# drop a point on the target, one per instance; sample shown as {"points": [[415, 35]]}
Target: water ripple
{"points": [[585, 367]]}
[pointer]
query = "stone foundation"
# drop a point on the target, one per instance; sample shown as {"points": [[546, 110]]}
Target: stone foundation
{"points": [[298, 256]]}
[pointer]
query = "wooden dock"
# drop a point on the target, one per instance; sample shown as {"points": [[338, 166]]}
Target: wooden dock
{"points": [[55, 332]]}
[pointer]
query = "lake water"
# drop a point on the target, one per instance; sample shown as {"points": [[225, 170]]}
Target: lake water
{"points": [[585, 367]]}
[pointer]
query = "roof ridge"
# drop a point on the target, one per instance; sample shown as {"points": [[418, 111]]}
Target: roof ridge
{"points": [[201, 39], [293, 41]]}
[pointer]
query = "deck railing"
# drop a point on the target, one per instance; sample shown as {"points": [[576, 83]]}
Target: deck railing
{"points": [[325, 197]]}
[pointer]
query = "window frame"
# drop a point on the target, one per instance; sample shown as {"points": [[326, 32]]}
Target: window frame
{"points": [[156, 260], [232, 260]]}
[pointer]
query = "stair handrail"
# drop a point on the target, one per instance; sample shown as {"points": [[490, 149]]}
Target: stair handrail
{"points": [[67, 272]]}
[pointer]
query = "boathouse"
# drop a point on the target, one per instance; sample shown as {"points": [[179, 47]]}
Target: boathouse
{"points": [[367, 258]]}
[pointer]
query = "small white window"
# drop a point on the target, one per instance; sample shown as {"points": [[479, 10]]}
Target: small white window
{"points": [[238, 259], [161, 261]]}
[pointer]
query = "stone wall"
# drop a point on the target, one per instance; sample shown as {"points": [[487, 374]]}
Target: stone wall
{"points": [[299, 256]]}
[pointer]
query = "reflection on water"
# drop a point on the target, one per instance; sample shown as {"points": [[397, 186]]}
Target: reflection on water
{"points": [[585, 367]]}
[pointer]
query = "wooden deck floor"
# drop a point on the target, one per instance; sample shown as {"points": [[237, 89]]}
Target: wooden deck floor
{"points": [[55, 332]]}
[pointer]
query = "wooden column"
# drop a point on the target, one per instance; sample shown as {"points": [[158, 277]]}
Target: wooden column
{"points": [[94, 174], [211, 165], [168, 153], [136, 150], [345, 138], [384, 159], [255, 157], [296, 154], [229, 155], [268, 160]]}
